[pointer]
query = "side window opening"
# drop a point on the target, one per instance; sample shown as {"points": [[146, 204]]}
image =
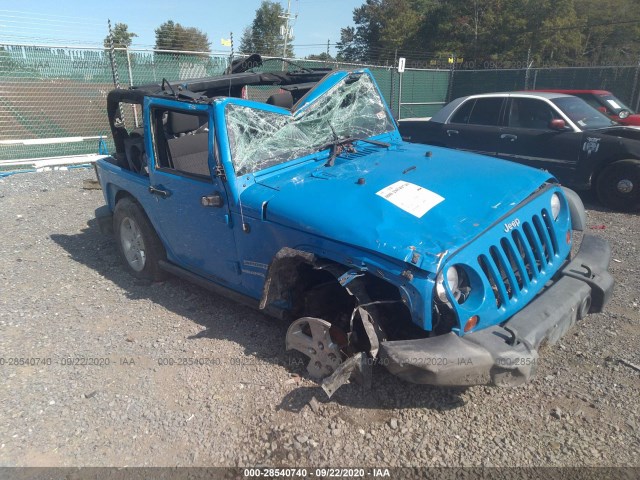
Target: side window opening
{"points": [[463, 113], [486, 111], [594, 103], [182, 142], [127, 126], [530, 113]]}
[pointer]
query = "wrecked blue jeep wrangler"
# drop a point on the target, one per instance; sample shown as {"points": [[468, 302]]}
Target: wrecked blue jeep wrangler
{"points": [[446, 267]]}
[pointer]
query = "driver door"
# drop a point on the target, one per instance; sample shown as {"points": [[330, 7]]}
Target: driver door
{"points": [[528, 138], [190, 210], [474, 126]]}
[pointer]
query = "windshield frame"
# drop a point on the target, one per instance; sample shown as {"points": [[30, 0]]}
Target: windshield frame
{"points": [[385, 128]]}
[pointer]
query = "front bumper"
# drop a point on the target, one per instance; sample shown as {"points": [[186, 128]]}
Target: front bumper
{"points": [[507, 355]]}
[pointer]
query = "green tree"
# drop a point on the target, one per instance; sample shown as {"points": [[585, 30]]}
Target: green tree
{"points": [[323, 57], [604, 37], [382, 27], [263, 36], [347, 47], [173, 36], [122, 37], [553, 30], [502, 31]]}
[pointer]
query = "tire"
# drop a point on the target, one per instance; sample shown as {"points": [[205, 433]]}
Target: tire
{"points": [[618, 185], [138, 244]]}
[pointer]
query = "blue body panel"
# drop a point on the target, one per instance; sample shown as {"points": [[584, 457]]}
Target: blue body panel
{"points": [[336, 213]]}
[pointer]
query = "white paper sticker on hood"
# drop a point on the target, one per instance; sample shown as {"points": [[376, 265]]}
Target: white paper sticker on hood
{"points": [[410, 197]]}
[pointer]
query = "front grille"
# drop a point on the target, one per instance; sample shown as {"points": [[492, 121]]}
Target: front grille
{"points": [[520, 257]]}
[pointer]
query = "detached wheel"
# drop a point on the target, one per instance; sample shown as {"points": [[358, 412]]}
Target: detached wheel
{"points": [[138, 243], [618, 185]]}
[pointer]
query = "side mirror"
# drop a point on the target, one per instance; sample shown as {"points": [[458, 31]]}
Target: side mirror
{"points": [[557, 124], [602, 109]]}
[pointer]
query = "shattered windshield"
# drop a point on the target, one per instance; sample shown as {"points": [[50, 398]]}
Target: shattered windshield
{"points": [[259, 139]]}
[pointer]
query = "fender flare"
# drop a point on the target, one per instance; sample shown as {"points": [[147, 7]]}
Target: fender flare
{"points": [[282, 272], [576, 209]]}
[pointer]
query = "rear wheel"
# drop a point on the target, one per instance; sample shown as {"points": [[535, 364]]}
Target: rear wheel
{"points": [[618, 185], [138, 243]]}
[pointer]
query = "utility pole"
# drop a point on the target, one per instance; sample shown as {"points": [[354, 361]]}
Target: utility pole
{"points": [[286, 32]]}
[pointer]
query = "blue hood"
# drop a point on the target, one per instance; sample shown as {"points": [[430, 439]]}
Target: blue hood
{"points": [[341, 202]]}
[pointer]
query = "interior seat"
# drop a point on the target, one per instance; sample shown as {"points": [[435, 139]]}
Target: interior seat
{"points": [[188, 142], [283, 99]]}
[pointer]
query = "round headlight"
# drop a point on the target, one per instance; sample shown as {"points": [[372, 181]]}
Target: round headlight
{"points": [[623, 113], [555, 206], [453, 280]]}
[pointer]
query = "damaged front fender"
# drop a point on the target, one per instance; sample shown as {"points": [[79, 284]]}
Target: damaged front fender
{"points": [[283, 273]]}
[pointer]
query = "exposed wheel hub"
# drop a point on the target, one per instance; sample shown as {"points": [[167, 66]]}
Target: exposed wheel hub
{"points": [[625, 186], [311, 336]]}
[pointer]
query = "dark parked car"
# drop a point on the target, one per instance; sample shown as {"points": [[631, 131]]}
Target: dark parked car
{"points": [[607, 103], [559, 133]]}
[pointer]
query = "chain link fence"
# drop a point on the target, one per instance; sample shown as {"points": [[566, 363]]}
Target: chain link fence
{"points": [[53, 99], [623, 81]]}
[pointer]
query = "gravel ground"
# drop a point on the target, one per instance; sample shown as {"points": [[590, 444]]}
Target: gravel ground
{"points": [[64, 296]]}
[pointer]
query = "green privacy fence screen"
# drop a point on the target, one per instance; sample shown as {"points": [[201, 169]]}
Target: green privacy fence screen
{"points": [[53, 99], [623, 81]]}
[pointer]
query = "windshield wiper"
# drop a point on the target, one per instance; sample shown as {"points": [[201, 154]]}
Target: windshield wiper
{"points": [[339, 145]]}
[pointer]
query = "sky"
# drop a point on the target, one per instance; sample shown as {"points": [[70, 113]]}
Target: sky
{"points": [[84, 22]]}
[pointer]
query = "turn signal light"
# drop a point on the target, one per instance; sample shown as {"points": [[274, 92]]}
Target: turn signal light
{"points": [[471, 323], [568, 237]]}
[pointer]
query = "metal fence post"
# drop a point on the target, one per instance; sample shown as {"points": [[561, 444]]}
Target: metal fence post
{"points": [[451, 74], [114, 68], [133, 107], [112, 54], [399, 95], [636, 90]]}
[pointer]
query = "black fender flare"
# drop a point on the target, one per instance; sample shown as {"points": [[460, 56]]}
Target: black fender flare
{"points": [[576, 209]]}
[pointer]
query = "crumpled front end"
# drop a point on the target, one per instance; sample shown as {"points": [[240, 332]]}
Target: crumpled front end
{"points": [[507, 354]]}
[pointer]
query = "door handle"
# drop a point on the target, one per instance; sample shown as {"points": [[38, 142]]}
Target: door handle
{"points": [[213, 200], [159, 191], [452, 132], [508, 136]]}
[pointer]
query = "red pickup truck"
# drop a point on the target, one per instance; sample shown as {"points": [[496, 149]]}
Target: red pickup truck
{"points": [[607, 103]]}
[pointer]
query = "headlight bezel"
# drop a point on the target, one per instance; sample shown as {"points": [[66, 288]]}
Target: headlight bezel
{"points": [[441, 292], [555, 206], [457, 283]]}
